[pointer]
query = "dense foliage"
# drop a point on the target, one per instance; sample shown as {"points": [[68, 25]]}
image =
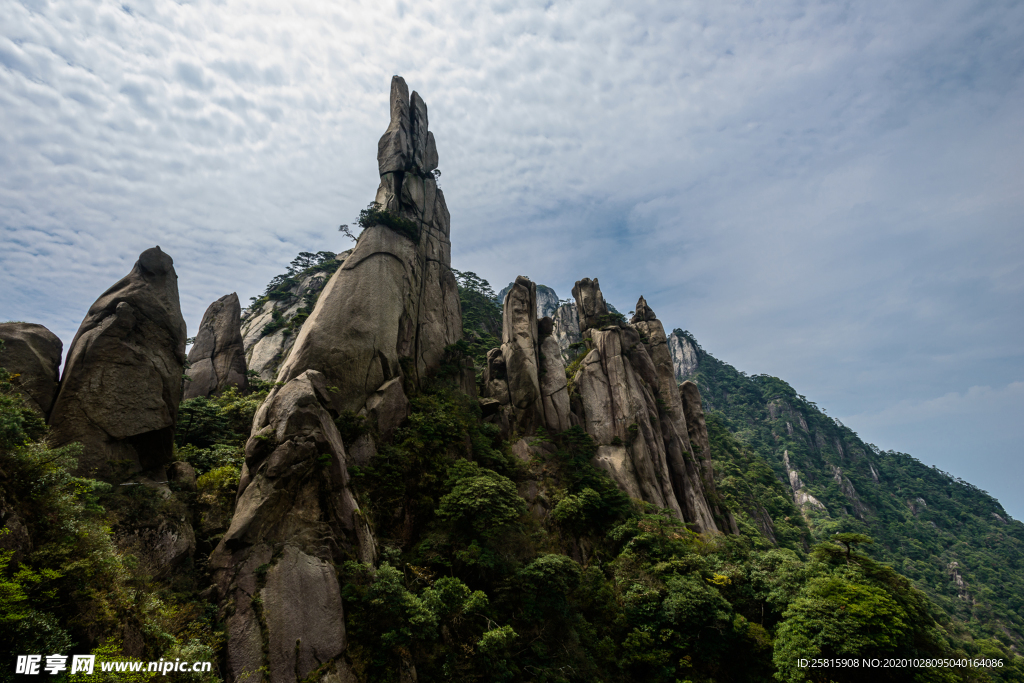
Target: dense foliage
{"points": [[69, 582], [931, 526]]}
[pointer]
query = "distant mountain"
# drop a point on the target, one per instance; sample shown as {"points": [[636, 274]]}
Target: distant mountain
{"points": [[953, 540]]}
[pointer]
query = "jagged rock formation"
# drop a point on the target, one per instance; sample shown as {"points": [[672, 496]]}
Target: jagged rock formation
{"points": [[566, 330], [269, 330], [33, 353], [684, 356], [217, 358], [630, 404], [547, 299], [381, 324], [526, 376], [122, 381]]}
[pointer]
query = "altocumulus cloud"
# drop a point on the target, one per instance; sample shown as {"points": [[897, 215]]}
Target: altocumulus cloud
{"points": [[825, 192]]}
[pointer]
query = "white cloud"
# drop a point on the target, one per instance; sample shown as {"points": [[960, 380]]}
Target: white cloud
{"points": [[824, 192]]}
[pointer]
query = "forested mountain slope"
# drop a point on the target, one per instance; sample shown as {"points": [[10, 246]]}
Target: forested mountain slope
{"points": [[953, 540]]}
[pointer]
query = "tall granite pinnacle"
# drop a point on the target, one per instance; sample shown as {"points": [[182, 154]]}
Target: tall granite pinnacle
{"points": [[381, 324]]}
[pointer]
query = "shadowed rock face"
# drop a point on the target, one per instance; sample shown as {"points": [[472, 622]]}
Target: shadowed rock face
{"points": [[33, 353], [629, 403], [122, 381], [217, 358], [381, 323]]}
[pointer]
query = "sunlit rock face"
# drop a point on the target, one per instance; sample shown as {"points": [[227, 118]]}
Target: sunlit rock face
{"points": [[629, 402]]}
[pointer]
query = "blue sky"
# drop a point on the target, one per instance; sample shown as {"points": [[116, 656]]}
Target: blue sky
{"points": [[828, 192]]}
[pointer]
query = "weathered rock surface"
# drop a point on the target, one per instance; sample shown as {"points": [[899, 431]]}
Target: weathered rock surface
{"points": [[395, 296], [33, 353], [296, 513], [803, 499], [629, 403], [566, 330], [122, 380], [381, 324], [684, 356], [217, 357], [269, 330], [526, 376]]}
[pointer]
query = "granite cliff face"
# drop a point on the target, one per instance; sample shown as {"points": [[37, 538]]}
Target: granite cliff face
{"points": [[547, 299], [380, 325], [629, 403], [217, 358], [624, 394], [122, 380], [684, 356]]}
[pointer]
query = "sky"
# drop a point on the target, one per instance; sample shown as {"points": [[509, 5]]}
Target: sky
{"points": [[827, 192]]}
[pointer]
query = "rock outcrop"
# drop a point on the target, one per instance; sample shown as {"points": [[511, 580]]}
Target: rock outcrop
{"points": [[217, 358], [295, 517], [526, 375], [270, 328], [32, 353], [802, 498], [566, 330], [122, 380], [684, 356], [380, 325], [629, 403]]}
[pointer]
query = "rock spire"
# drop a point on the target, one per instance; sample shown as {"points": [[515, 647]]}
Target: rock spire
{"points": [[380, 325], [217, 358], [525, 377]]}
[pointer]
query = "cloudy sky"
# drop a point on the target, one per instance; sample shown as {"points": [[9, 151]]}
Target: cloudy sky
{"points": [[828, 192]]}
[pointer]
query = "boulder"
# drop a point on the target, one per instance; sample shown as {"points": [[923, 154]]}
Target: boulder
{"points": [[217, 358], [122, 380], [32, 353]]}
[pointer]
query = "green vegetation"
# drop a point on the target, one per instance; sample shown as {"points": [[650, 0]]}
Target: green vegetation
{"points": [[69, 581], [481, 316], [375, 214], [282, 287], [927, 524]]}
